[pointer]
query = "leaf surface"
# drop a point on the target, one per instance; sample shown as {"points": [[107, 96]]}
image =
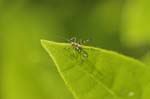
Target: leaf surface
{"points": [[101, 75]]}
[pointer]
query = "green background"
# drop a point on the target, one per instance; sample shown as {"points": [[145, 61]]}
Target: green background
{"points": [[27, 72]]}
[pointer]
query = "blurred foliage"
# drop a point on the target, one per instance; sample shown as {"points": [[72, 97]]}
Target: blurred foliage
{"points": [[25, 69], [146, 58], [136, 31]]}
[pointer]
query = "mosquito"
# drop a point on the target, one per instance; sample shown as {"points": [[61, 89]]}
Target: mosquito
{"points": [[77, 45]]}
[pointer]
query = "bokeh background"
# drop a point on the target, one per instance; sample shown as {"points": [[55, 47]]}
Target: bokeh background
{"points": [[26, 70]]}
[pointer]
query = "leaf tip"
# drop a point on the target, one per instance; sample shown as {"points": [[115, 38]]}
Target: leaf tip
{"points": [[47, 44], [43, 41]]}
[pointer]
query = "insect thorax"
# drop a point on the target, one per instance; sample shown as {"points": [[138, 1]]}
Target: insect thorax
{"points": [[74, 44]]}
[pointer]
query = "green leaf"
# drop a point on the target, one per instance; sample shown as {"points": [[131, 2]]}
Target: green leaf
{"points": [[101, 75]]}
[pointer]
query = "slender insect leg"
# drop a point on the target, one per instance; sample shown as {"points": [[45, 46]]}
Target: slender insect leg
{"points": [[73, 39], [74, 54], [80, 42], [84, 55], [85, 41]]}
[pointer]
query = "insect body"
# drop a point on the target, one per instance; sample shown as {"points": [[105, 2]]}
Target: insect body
{"points": [[77, 46]]}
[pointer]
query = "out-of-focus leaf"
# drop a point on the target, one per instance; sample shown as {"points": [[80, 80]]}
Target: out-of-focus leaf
{"points": [[146, 58], [101, 75], [136, 22], [26, 72]]}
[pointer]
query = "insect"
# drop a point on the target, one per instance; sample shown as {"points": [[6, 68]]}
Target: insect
{"points": [[77, 45]]}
